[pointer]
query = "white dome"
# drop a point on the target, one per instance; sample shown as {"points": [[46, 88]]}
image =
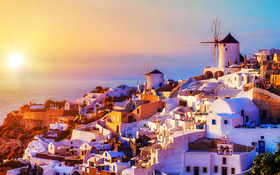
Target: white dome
{"points": [[210, 85], [232, 105]]}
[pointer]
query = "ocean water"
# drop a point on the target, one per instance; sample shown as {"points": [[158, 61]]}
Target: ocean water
{"points": [[15, 95]]}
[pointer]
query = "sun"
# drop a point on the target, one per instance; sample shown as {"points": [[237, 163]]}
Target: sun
{"points": [[15, 61]]}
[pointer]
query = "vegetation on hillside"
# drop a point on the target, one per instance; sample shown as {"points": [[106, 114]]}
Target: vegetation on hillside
{"points": [[9, 133], [99, 89], [267, 163], [50, 103]]}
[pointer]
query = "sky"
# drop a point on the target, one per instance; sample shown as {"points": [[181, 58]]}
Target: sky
{"points": [[113, 38]]}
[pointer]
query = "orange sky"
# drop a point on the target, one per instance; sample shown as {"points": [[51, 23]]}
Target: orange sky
{"points": [[93, 38]]}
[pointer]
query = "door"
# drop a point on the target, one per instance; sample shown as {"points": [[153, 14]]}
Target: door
{"points": [[196, 170], [224, 170], [261, 146]]}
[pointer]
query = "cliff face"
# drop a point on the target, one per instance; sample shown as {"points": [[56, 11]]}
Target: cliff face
{"points": [[12, 119], [37, 118]]}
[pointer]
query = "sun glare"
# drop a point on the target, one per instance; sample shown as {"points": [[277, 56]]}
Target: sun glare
{"points": [[15, 61]]}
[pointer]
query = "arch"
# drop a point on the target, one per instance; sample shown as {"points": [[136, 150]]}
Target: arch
{"points": [[208, 74], [75, 173], [219, 74]]}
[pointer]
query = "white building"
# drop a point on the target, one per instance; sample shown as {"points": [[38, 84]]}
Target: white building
{"points": [[240, 79], [223, 162], [228, 55], [59, 125], [228, 51], [265, 54], [155, 79], [35, 146], [226, 114]]}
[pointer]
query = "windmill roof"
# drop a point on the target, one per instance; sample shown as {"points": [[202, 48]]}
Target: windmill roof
{"points": [[229, 39], [156, 72]]}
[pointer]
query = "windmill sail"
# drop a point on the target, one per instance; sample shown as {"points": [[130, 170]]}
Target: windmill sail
{"points": [[216, 39], [145, 71]]}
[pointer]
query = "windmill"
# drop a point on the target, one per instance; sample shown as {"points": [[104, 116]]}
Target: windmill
{"points": [[146, 69], [216, 39]]}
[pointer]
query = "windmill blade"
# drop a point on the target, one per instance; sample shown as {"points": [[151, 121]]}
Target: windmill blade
{"points": [[143, 79], [143, 71]]}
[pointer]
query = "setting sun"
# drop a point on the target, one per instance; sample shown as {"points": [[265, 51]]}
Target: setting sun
{"points": [[15, 61]]}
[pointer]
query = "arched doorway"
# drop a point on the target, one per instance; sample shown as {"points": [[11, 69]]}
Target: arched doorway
{"points": [[219, 74], [75, 173], [208, 74]]}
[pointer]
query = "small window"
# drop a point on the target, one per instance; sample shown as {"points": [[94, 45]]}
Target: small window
{"points": [[159, 110], [213, 122], [188, 169], [224, 160], [242, 79], [215, 169], [137, 111], [114, 168], [278, 120], [224, 44], [105, 154], [225, 122], [232, 170], [64, 173], [204, 169], [226, 49], [71, 142], [56, 173], [234, 78]]}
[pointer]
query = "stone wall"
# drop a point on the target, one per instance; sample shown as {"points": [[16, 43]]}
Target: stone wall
{"points": [[268, 104]]}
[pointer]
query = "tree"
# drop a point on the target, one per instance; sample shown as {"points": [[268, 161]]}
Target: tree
{"points": [[267, 163]]}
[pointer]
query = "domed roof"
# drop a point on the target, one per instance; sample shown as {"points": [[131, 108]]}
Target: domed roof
{"points": [[211, 85], [232, 105]]}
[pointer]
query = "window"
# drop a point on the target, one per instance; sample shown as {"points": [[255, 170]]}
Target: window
{"points": [[71, 142], [242, 79], [105, 154], [213, 122], [242, 113], [204, 170], [232, 170], [226, 49], [64, 173], [234, 78], [137, 111], [224, 160], [188, 169], [215, 169], [56, 173], [159, 110], [114, 168], [225, 122], [224, 44]]}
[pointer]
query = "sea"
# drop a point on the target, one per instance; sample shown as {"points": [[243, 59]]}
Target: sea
{"points": [[14, 95]]}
